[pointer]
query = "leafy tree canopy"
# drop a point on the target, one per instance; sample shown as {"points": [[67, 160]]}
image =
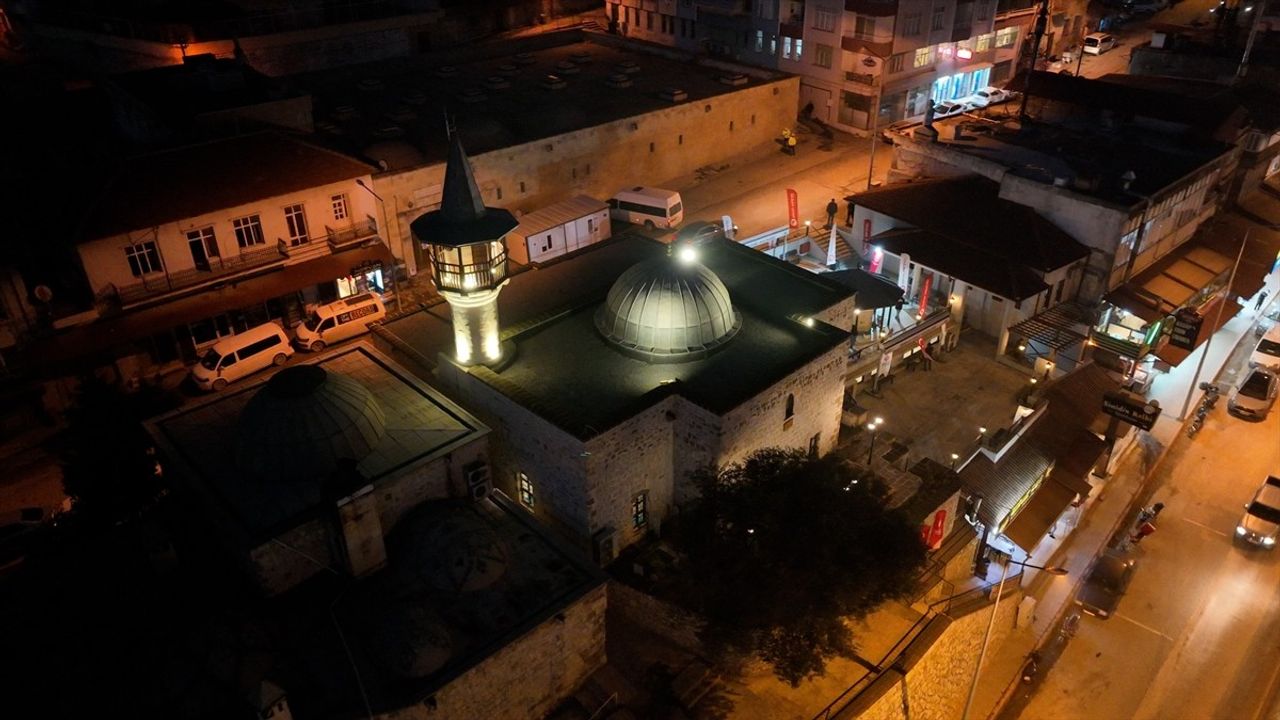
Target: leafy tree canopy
{"points": [[783, 549]]}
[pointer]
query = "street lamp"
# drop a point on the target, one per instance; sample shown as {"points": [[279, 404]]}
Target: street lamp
{"points": [[954, 458], [807, 225], [986, 639], [873, 427]]}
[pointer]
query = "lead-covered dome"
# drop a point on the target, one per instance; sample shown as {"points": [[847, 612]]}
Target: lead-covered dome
{"points": [[668, 309], [304, 423]]}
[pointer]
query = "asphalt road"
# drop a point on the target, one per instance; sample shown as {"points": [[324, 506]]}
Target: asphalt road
{"points": [[1196, 636]]}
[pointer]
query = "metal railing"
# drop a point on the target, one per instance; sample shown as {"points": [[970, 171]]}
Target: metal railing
{"points": [[863, 78], [471, 276], [356, 233]]}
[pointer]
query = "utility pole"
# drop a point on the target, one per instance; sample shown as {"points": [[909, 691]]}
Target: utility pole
{"points": [[1042, 22]]}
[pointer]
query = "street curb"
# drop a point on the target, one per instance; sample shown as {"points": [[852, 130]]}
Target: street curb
{"points": [[1134, 504]]}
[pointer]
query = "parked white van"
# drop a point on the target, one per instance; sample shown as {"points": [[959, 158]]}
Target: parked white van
{"points": [[239, 355], [651, 207], [340, 320], [1098, 43]]}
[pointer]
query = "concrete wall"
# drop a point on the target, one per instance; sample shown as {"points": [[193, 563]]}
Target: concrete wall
{"points": [[529, 676], [105, 262], [646, 149]]}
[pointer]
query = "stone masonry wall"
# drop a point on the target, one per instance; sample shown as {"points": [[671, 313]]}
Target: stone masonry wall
{"points": [[760, 422], [600, 160], [299, 554], [527, 678], [938, 683], [628, 459]]}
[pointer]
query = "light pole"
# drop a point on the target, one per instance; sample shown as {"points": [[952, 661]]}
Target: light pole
{"points": [[873, 427], [386, 229], [986, 639], [1217, 323]]}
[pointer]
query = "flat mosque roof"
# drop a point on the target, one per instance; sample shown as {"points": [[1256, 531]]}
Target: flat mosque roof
{"points": [[567, 373], [200, 438]]}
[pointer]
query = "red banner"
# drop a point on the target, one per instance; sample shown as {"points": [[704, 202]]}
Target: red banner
{"points": [[935, 532], [866, 235], [793, 209], [877, 259], [925, 287]]}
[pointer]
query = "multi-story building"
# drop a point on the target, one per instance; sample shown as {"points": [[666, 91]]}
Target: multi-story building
{"points": [[270, 224]]}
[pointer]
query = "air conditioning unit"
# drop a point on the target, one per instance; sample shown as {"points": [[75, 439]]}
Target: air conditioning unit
{"points": [[478, 483], [606, 546]]}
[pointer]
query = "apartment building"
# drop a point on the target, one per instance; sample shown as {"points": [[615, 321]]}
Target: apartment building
{"points": [[187, 246]]}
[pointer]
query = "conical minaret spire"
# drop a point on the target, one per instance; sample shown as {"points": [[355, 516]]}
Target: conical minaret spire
{"points": [[461, 201]]}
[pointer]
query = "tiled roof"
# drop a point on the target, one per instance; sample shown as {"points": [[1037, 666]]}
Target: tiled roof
{"points": [[1001, 276]]}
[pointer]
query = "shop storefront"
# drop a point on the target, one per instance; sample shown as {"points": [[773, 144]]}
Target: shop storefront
{"points": [[962, 84]]}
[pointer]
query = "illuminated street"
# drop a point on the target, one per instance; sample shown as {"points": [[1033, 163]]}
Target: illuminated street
{"points": [[1195, 635]]}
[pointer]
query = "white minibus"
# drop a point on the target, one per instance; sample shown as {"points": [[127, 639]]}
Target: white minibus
{"points": [[651, 207]]}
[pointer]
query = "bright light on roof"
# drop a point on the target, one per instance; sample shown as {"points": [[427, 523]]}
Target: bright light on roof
{"points": [[687, 255]]}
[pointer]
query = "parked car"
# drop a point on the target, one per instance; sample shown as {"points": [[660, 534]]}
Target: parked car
{"points": [[1267, 353], [1105, 585], [989, 95], [1098, 43], [1253, 397], [947, 108], [339, 320], [239, 355], [700, 232], [1261, 521]]}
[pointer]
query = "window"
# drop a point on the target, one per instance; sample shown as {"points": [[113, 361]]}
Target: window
{"points": [[340, 206], [524, 486], [822, 55], [773, 48], [143, 258], [799, 47], [984, 42], [296, 222], [1006, 37], [790, 415], [640, 511], [924, 56], [911, 25], [825, 19], [984, 9], [896, 62], [248, 231], [786, 47], [939, 17], [648, 21], [865, 27], [813, 445], [767, 10], [203, 244], [759, 41]]}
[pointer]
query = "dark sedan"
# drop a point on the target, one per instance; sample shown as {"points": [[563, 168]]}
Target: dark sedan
{"points": [[1105, 585]]}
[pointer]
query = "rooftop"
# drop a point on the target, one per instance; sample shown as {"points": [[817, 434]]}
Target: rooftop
{"points": [[202, 84], [968, 211], [419, 425], [499, 95], [1076, 150], [464, 579], [1001, 276], [153, 189], [564, 370]]}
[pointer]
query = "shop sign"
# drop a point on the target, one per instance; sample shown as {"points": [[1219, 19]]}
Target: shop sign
{"points": [[1133, 409], [1186, 329], [925, 289], [886, 363], [793, 209]]}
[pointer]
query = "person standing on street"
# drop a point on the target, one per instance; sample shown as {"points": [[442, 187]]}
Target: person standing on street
{"points": [[848, 218], [1262, 298], [832, 209]]}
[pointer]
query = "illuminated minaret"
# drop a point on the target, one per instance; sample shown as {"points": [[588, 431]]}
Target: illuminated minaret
{"points": [[466, 242]]}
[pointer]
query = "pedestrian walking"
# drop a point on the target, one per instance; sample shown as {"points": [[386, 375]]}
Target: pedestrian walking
{"points": [[1262, 298], [791, 145], [848, 218], [832, 209]]}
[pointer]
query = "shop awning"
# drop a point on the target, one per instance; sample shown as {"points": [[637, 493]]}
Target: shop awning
{"points": [[107, 332], [1055, 327], [1175, 279], [1212, 323], [1259, 256], [1040, 513]]}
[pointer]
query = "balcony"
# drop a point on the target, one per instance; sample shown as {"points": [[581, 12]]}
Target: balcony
{"points": [[160, 285], [868, 79], [872, 8]]}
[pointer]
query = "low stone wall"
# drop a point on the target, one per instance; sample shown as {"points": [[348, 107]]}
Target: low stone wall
{"points": [[659, 617]]}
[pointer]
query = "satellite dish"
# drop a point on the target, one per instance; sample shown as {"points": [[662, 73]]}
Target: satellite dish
{"points": [[43, 293]]}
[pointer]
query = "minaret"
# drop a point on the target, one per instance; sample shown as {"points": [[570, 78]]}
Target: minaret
{"points": [[466, 242]]}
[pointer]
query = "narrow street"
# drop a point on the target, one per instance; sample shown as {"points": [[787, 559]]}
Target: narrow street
{"points": [[1194, 637]]}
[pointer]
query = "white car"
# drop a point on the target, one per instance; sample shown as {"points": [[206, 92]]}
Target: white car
{"points": [[1253, 397], [1267, 353], [947, 108], [989, 96], [1098, 43]]}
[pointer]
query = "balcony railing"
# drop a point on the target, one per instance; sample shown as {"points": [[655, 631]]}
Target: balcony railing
{"points": [[471, 277], [863, 78], [219, 269]]}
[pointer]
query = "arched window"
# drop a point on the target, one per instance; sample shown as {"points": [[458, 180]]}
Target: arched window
{"points": [[791, 410]]}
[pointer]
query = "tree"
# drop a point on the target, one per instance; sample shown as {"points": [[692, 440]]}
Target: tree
{"points": [[783, 550], [109, 466]]}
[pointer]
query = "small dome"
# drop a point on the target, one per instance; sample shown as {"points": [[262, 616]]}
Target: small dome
{"points": [[454, 552], [304, 422], [668, 310]]}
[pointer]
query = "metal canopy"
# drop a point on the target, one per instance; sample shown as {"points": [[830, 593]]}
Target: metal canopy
{"points": [[1053, 327]]}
